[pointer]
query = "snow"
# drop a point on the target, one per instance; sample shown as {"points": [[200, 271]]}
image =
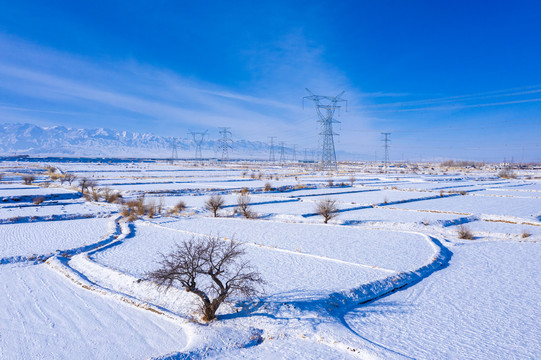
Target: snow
{"points": [[26, 239], [386, 279], [45, 317], [484, 305]]}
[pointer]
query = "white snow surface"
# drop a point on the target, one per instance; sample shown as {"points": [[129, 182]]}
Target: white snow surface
{"points": [[386, 279]]}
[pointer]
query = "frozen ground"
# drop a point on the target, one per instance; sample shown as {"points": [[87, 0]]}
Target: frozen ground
{"points": [[386, 279]]}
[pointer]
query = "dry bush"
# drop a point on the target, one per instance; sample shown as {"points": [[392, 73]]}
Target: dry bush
{"points": [[214, 203], [330, 182], [441, 193], [210, 268], [179, 207], [327, 208], [244, 191], [507, 174], [95, 194], [253, 176], [525, 234], [1, 176], [243, 207], [463, 192], [259, 176], [465, 233], [268, 186], [38, 200], [352, 180], [111, 196], [385, 200], [28, 179]]}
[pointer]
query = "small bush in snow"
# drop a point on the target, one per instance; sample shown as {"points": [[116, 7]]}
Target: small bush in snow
{"points": [[352, 180], [327, 208], [330, 182], [525, 234], [180, 207], [507, 174], [211, 268], [214, 203], [268, 186], [38, 200], [29, 179], [465, 233]]}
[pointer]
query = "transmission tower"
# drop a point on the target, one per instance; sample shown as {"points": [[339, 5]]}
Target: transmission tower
{"points": [[326, 107], [305, 155], [225, 142], [282, 152], [294, 157], [198, 138], [272, 158], [386, 142], [174, 151]]}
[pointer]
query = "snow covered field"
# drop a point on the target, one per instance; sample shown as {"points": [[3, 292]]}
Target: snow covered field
{"points": [[387, 278]]}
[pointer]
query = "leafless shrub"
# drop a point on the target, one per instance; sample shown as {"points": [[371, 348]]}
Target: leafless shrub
{"points": [[327, 208], [244, 191], [38, 200], [210, 268], [330, 182], [425, 222], [507, 174], [111, 196], [180, 207], [525, 234], [463, 192], [465, 233], [214, 203], [1, 176], [259, 176], [385, 200], [268, 186], [28, 179], [95, 194], [243, 206], [352, 180], [253, 175], [441, 193]]}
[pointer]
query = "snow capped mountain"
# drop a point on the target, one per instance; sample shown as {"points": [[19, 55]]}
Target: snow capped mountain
{"points": [[61, 141]]}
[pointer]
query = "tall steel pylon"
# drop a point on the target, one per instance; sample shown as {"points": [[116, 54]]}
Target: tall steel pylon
{"points": [[174, 151], [272, 157], [198, 138], [386, 142], [225, 142], [282, 152], [294, 157], [326, 107]]}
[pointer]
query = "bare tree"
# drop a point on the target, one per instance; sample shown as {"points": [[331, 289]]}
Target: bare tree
{"points": [[28, 179], [243, 206], [68, 177], [352, 180], [327, 208], [210, 268], [214, 203], [83, 183]]}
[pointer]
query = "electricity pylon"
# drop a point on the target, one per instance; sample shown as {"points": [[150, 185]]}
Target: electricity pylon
{"points": [[174, 152], [282, 152], [326, 107], [225, 142], [198, 138], [386, 142], [272, 158]]}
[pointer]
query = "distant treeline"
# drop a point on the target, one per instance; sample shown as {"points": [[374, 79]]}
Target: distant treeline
{"points": [[462, 163]]}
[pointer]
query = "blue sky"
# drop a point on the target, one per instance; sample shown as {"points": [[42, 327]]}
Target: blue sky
{"points": [[448, 79]]}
